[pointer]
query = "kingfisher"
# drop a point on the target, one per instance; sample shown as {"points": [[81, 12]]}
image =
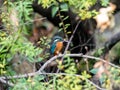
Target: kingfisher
{"points": [[57, 45]]}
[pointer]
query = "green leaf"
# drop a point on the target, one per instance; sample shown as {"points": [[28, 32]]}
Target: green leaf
{"points": [[94, 71], [64, 7], [65, 18], [104, 2], [54, 10], [60, 24], [102, 79]]}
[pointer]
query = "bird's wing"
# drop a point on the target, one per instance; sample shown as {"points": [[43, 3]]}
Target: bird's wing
{"points": [[52, 49]]}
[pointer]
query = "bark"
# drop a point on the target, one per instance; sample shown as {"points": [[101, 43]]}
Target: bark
{"points": [[111, 43]]}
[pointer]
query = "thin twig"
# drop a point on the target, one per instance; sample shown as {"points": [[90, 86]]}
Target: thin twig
{"points": [[68, 44], [76, 55], [59, 14], [20, 76], [54, 58], [86, 43], [39, 73], [6, 82]]}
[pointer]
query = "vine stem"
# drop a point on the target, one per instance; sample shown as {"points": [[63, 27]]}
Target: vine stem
{"points": [[59, 14]]}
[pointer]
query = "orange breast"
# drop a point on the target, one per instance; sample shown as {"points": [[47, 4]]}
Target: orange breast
{"points": [[59, 46]]}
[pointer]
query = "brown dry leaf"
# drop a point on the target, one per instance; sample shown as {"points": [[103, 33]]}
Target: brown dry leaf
{"points": [[105, 18]]}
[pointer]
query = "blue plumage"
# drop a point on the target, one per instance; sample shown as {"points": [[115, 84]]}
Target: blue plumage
{"points": [[52, 49], [54, 42]]}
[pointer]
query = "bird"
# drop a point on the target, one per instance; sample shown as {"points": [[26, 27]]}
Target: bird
{"points": [[57, 45]]}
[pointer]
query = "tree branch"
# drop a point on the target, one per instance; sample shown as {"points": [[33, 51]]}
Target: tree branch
{"points": [[54, 58], [110, 43], [39, 73], [76, 55]]}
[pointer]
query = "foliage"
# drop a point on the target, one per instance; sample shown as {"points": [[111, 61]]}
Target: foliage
{"points": [[14, 42], [81, 6]]}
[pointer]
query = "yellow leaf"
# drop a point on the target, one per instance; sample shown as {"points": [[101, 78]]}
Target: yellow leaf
{"points": [[2, 66], [5, 2]]}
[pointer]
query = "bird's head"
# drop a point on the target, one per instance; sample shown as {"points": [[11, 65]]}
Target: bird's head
{"points": [[57, 39], [56, 45]]}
